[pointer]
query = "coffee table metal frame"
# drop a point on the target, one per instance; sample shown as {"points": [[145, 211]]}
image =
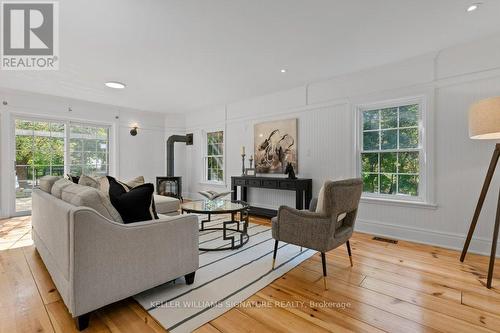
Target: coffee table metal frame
{"points": [[241, 231]]}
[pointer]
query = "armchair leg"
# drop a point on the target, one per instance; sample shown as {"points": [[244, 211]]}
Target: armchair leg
{"points": [[349, 251], [275, 252], [323, 261]]}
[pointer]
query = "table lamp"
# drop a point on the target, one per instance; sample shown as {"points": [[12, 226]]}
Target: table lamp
{"points": [[484, 123]]}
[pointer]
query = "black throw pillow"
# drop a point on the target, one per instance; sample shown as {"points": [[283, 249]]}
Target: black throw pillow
{"points": [[134, 204], [74, 179]]}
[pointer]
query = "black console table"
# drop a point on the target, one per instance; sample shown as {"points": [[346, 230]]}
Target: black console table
{"points": [[301, 187]]}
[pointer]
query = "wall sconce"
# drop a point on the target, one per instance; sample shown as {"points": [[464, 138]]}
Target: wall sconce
{"points": [[133, 131]]}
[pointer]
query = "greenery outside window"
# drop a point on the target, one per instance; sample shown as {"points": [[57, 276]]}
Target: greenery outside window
{"points": [[391, 152], [39, 151], [214, 157]]}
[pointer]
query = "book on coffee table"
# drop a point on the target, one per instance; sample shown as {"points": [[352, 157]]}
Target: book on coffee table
{"points": [[212, 195]]}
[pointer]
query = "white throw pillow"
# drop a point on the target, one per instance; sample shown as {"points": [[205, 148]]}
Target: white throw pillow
{"points": [[320, 205], [321, 200]]}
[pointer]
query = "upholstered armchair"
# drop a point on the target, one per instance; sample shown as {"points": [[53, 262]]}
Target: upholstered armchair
{"points": [[327, 224]]}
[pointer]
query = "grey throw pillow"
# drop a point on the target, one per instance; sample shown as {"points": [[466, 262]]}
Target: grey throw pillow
{"points": [[46, 183], [137, 181], [88, 181], [87, 196], [104, 183], [59, 185]]}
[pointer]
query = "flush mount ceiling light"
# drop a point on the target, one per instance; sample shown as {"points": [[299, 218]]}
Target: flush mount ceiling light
{"points": [[115, 85], [283, 70], [473, 7]]}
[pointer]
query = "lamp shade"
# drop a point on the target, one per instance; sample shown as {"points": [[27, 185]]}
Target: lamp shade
{"points": [[484, 119]]}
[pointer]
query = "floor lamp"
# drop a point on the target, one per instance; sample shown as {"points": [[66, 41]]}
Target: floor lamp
{"points": [[484, 123]]}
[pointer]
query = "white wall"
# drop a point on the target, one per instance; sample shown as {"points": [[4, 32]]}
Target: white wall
{"points": [[450, 80], [143, 154]]}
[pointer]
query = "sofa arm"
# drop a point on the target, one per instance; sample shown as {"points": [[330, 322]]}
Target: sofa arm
{"points": [[110, 261]]}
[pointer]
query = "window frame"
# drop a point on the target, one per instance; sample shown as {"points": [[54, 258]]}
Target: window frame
{"points": [[205, 157], [424, 172]]}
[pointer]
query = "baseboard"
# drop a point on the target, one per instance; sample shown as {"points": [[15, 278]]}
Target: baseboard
{"points": [[431, 237]]}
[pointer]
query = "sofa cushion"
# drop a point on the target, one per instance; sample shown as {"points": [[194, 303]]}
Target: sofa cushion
{"points": [[165, 204], [87, 196], [88, 181], [134, 204], [46, 183], [59, 185]]}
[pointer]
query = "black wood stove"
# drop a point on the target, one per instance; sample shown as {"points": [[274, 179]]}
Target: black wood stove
{"points": [[169, 186]]}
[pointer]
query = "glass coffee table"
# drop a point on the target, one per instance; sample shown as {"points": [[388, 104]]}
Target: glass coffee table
{"points": [[238, 229]]}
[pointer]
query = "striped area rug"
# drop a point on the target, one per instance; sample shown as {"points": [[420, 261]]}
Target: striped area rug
{"points": [[224, 279]]}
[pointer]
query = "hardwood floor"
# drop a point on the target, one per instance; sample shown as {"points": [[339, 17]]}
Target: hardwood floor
{"points": [[404, 287]]}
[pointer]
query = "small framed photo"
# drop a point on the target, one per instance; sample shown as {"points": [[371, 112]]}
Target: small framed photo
{"points": [[250, 172]]}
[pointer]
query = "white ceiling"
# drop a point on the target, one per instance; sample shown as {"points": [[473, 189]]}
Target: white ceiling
{"points": [[180, 55]]}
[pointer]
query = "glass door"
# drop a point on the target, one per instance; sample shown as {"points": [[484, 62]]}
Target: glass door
{"points": [[40, 147]]}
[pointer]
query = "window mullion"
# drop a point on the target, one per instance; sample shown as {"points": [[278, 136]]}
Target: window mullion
{"points": [[379, 170], [379, 148], [397, 153]]}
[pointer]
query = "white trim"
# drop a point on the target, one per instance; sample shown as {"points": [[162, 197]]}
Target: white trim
{"points": [[395, 202], [6, 168], [447, 240], [289, 112]]}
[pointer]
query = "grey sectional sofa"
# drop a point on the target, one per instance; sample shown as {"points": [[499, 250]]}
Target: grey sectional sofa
{"points": [[167, 205], [95, 261]]}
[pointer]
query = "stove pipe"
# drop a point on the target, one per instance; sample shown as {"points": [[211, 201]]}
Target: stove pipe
{"points": [[188, 139]]}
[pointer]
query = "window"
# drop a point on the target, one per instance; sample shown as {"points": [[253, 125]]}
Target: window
{"points": [[214, 157], [391, 151], [88, 150], [51, 147]]}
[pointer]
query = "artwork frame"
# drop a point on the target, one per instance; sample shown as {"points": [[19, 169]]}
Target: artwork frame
{"points": [[275, 145]]}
